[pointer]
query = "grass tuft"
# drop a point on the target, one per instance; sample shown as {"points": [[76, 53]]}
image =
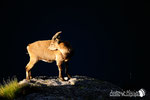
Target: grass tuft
{"points": [[9, 89]]}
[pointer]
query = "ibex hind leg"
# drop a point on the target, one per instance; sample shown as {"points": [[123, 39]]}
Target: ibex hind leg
{"points": [[28, 68]]}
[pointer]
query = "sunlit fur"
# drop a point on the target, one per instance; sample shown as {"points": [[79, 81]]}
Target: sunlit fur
{"points": [[49, 51]]}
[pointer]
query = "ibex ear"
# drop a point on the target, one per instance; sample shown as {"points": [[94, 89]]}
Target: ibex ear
{"points": [[57, 40]]}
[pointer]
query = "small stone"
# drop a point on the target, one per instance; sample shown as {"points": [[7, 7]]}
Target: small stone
{"points": [[65, 78]]}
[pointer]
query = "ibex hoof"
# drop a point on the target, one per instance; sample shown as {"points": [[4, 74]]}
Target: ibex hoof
{"points": [[27, 79], [62, 79]]}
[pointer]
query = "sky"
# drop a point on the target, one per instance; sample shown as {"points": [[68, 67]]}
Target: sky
{"points": [[107, 36]]}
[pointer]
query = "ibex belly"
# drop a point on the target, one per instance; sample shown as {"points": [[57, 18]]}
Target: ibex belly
{"points": [[48, 61], [48, 57]]}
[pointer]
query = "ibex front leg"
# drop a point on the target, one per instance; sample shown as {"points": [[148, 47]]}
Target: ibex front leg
{"points": [[66, 70], [59, 62], [60, 72]]}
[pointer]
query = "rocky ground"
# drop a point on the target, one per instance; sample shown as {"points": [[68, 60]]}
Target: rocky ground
{"points": [[77, 88]]}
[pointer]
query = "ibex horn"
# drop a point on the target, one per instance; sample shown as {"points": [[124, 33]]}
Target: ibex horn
{"points": [[56, 35]]}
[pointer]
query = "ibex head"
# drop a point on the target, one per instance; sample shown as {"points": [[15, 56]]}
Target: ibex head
{"points": [[55, 41]]}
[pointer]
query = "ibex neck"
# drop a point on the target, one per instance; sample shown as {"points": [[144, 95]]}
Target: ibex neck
{"points": [[64, 52]]}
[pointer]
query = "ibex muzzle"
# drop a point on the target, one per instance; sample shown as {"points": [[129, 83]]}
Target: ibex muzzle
{"points": [[49, 51]]}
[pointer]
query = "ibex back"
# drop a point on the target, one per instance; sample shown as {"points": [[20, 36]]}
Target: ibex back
{"points": [[49, 51]]}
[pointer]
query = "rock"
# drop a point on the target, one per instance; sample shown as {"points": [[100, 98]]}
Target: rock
{"points": [[78, 87]]}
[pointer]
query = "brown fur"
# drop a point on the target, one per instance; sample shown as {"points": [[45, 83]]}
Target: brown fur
{"points": [[49, 51]]}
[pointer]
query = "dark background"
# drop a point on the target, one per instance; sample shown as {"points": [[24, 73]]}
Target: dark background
{"points": [[109, 38]]}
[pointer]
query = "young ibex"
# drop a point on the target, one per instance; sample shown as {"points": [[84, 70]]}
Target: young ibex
{"points": [[49, 51]]}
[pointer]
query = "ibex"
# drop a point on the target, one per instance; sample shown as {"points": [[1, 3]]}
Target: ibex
{"points": [[49, 51]]}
